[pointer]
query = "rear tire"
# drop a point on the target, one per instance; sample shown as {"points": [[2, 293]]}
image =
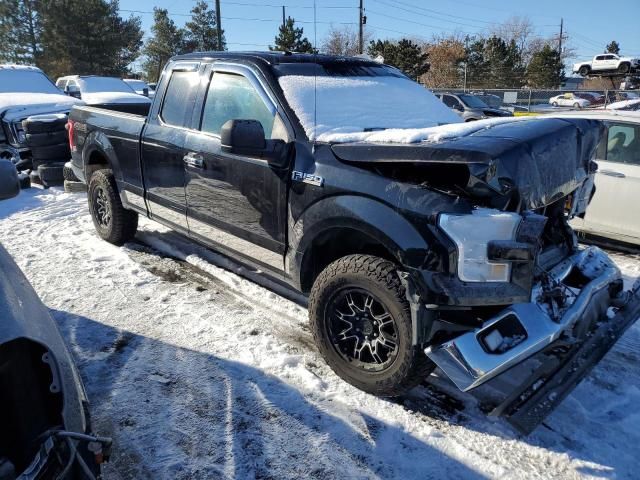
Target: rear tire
{"points": [[361, 323], [623, 68], [112, 221]]}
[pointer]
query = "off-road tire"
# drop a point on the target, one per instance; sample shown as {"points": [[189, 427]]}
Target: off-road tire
{"points": [[584, 71], [45, 123], [47, 138], [123, 223], [67, 173], [50, 152], [380, 278], [74, 187]]}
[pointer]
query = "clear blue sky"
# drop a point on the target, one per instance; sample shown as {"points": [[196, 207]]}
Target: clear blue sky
{"points": [[252, 24]]}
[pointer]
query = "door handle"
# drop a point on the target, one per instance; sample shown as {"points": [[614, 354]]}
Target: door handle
{"points": [[611, 173], [194, 160]]}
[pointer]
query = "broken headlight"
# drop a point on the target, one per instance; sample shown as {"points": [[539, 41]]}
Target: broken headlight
{"points": [[472, 234]]}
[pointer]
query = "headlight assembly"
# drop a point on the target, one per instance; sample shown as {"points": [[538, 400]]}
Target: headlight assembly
{"points": [[471, 234]]}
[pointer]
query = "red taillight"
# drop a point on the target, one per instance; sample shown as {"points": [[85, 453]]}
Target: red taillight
{"points": [[72, 141]]}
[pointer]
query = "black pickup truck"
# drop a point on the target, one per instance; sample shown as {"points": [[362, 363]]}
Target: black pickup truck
{"points": [[419, 244]]}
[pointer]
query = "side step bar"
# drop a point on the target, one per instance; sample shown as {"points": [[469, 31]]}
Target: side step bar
{"points": [[555, 379]]}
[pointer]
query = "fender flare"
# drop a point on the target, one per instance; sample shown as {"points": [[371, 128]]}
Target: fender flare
{"points": [[98, 142], [370, 217]]}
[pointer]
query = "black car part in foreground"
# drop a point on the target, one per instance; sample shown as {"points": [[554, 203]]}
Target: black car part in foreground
{"points": [[45, 431], [451, 248]]}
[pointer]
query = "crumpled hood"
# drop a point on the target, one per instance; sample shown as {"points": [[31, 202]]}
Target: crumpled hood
{"points": [[101, 98], [21, 105], [532, 163]]}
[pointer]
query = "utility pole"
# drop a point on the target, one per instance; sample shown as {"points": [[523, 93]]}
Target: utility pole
{"points": [[284, 22], [361, 29], [560, 51], [219, 20]]}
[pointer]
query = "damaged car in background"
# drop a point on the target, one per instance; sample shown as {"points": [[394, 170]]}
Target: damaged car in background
{"points": [[45, 431], [33, 113], [422, 241]]}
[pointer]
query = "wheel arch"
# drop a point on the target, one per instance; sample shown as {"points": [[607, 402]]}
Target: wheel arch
{"points": [[346, 225], [99, 154]]}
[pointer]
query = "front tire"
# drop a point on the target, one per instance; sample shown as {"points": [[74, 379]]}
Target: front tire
{"points": [[112, 221], [623, 68], [576, 105], [554, 104], [361, 322], [583, 71]]}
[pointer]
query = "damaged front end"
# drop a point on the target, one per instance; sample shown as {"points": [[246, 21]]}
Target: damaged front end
{"points": [[45, 431], [516, 288]]}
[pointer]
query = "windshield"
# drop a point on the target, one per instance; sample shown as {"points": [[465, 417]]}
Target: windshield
{"points": [[472, 101], [103, 84], [25, 81], [358, 98]]}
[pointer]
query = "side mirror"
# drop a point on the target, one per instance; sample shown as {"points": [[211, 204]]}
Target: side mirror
{"points": [[72, 91], [246, 137], [145, 92], [9, 181], [243, 137]]}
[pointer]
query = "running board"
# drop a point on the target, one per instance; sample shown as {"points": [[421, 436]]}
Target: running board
{"points": [[527, 406]]}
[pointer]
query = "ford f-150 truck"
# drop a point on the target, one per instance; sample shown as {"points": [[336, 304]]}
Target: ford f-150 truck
{"points": [[421, 241]]}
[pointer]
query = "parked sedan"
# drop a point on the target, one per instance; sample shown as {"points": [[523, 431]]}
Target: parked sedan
{"points": [[614, 211], [106, 92], [471, 107], [569, 100]]}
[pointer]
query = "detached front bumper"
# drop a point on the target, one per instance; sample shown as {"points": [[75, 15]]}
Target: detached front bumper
{"points": [[524, 329]]}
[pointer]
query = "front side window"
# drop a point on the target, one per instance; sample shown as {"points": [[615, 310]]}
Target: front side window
{"points": [[179, 98], [233, 97], [623, 144]]}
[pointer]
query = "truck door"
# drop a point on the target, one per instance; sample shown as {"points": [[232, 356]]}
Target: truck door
{"points": [[234, 202], [162, 148], [615, 206]]}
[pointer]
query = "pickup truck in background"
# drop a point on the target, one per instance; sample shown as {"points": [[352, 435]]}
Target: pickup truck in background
{"points": [[607, 63], [421, 241]]}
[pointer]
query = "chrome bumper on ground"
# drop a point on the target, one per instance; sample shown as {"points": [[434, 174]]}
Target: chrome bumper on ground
{"points": [[469, 360]]}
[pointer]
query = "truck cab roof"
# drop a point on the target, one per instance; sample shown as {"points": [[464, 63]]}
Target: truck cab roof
{"points": [[276, 58]]}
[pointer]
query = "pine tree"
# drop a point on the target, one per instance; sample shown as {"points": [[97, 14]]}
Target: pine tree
{"points": [[201, 32], [167, 41], [404, 55], [87, 37], [613, 47], [20, 31], [545, 70], [290, 39]]}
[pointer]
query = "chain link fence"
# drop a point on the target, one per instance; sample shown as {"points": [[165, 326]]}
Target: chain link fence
{"points": [[528, 101]]}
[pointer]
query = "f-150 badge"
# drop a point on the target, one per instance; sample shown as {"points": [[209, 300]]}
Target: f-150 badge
{"points": [[307, 178]]}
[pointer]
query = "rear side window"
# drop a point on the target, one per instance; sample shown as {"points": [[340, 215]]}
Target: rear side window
{"points": [[450, 101], [233, 97], [179, 98]]}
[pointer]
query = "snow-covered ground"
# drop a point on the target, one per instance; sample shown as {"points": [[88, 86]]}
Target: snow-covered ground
{"points": [[200, 373]]}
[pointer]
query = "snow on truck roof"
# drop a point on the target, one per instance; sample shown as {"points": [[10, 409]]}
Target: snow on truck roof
{"points": [[15, 66]]}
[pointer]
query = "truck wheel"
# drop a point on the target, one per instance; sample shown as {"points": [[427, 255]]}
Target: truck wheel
{"points": [[554, 104], [623, 68], [361, 323], [113, 222], [576, 105], [583, 71]]}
